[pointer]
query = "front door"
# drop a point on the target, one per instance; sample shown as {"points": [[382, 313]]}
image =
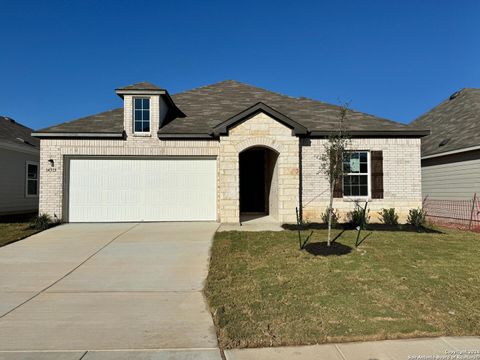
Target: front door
{"points": [[252, 181]]}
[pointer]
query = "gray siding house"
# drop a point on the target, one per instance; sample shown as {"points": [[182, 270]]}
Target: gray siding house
{"points": [[221, 152], [451, 153], [19, 166]]}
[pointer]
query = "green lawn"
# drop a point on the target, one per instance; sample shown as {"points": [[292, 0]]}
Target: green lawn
{"points": [[15, 227], [264, 291]]}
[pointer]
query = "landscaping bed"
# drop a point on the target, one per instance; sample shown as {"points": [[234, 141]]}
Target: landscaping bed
{"points": [[264, 291]]}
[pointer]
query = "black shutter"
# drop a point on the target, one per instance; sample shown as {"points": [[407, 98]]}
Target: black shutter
{"points": [[377, 174], [337, 189]]}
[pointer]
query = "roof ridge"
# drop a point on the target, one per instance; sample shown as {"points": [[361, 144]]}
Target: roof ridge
{"points": [[469, 93], [8, 118], [235, 82], [445, 102], [203, 87]]}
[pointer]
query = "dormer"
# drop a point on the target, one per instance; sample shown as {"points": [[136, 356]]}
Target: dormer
{"points": [[147, 108]]}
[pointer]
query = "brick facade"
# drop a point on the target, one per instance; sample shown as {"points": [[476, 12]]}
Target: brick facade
{"points": [[402, 185], [401, 177]]}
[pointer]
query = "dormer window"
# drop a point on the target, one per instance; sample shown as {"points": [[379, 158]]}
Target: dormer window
{"points": [[141, 115]]}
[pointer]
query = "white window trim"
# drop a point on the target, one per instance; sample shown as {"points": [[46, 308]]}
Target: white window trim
{"points": [[369, 183], [142, 133], [26, 178]]}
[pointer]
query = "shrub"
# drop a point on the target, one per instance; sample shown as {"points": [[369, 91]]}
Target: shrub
{"points": [[416, 217], [389, 217], [42, 222], [334, 217], [359, 217]]}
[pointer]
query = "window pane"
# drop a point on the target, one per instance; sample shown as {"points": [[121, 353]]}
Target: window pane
{"points": [[363, 190], [146, 114], [355, 191], [354, 179], [363, 180], [138, 115], [138, 103], [346, 180], [363, 157], [32, 171], [146, 126], [346, 190], [363, 168], [146, 103], [138, 126], [32, 187]]}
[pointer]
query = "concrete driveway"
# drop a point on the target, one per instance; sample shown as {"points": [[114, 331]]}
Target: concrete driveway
{"points": [[89, 290]]}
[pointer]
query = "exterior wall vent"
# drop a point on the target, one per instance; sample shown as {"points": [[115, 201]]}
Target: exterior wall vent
{"points": [[454, 95], [444, 142]]}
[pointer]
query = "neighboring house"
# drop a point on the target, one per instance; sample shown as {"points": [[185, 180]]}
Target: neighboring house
{"points": [[19, 166], [219, 152], [451, 153]]}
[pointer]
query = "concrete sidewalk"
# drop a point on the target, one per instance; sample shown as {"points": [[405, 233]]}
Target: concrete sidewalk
{"points": [[173, 354], [445, 348]]}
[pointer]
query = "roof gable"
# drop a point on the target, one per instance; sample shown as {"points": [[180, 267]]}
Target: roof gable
{"points": [[222, 128]]}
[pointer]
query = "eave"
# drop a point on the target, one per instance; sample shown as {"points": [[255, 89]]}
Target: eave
{"points": [[451, 152], [78, 135], [372, 133]]}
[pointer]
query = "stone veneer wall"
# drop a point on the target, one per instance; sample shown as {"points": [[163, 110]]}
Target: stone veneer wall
{"points": [[259, 130], [401, 177]]}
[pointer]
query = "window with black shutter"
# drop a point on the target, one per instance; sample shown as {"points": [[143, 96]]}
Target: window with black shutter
{"points": [[363, 175], [377, 174]]}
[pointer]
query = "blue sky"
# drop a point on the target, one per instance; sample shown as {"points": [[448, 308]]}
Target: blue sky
{"points": [[61, 60]]}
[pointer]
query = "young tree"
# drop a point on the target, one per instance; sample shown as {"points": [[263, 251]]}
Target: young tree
{"points": [[331, 161]]}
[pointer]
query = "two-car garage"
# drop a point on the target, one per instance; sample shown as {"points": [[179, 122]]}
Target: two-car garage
{"points": [[141, 189]]}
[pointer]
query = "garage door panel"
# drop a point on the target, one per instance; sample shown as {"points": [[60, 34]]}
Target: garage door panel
{"points": [[142, 190]]}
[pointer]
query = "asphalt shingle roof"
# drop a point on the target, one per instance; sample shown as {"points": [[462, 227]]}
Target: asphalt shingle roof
{"points": [[208, 106], [144, 85], [14, 133], [455, 121], [106, 122]]}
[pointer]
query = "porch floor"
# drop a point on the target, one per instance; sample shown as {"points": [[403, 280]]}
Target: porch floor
{"points": [[253, 222]]}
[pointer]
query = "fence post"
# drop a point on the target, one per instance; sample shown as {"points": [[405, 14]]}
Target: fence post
{"points": [[298, 229], [471, 212]]}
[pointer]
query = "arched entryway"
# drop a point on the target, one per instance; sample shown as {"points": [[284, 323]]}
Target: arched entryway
{"points": [[258, 182]]}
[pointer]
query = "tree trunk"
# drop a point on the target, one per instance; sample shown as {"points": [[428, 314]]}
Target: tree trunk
{"points": [[330, 213]]}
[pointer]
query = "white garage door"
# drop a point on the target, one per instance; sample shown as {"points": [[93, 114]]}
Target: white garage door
{"points": [[105, 190]]}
